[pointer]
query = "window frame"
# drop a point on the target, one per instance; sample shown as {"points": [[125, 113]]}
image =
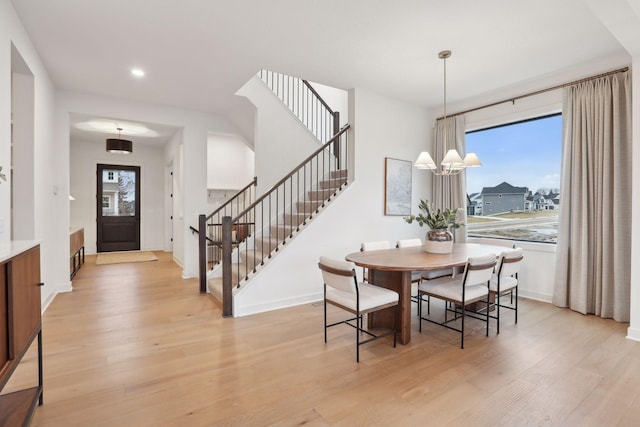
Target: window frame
{"points": [[512, 122]]}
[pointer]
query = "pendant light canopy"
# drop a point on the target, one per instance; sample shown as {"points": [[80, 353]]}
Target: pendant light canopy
{"points": [[118, 145]]}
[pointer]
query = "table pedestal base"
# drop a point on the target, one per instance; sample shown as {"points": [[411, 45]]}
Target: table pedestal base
{"points": [[399, 281]]}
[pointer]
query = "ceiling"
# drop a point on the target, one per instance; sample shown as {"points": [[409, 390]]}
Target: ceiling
{"points": [[198, 53], [94, 130]]}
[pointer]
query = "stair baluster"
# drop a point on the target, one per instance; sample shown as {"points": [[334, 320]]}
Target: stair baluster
{"points": [[283, 220]]}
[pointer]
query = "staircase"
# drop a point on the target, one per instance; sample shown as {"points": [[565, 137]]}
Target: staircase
{"points": [[251, 258], [284, 211]]}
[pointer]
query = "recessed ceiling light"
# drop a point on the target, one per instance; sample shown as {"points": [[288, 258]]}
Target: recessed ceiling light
{"points": [[137, 72]]}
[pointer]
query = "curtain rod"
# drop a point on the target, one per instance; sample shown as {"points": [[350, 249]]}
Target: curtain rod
{"points": [[538, 92]]}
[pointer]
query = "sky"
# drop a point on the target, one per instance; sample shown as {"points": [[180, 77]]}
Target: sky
{"points": [[526, 154]]}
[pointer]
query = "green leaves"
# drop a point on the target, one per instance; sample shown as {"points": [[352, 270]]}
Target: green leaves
{"points": [[434, 219]]}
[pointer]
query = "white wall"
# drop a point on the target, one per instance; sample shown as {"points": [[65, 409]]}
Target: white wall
{"points": [[230, 162], [23, 193], [192, 180], [357, 216], [537, 275], [537, 278], [383, 127], [276, 128], [48, 204], [337, 99], [85, 157], [174, 238]]}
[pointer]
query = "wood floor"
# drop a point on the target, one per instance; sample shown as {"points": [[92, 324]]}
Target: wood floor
{"points": [[136, 345]]}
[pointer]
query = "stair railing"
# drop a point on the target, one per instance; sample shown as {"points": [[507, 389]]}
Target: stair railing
{"points": [[305, 103], [210, 230], [277, 215]]}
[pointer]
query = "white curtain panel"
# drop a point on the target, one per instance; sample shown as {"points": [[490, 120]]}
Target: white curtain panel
{"points": [[594, 233], [450, 192]]}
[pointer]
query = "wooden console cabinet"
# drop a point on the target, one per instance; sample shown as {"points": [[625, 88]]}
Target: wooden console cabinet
{"points": [[20, 324], [76, 246]]}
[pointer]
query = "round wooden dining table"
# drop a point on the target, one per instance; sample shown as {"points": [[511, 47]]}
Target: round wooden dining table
{"points": [[391, 269]]}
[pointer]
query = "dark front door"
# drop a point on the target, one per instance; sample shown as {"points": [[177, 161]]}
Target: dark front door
{"points": [[118, 208]]}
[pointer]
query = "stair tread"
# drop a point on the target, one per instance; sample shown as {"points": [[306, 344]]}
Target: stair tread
{"points": [[266, 246]]}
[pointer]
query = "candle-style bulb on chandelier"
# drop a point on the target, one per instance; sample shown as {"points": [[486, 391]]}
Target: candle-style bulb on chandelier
{"points": [[452, 163]]}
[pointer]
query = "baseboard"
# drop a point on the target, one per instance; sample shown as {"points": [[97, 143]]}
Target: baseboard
{"points": [[535, 296], [276, 305], [48, 301], [633, 334], [188, 275], [177, 261], [185, 274], [67, 287]]}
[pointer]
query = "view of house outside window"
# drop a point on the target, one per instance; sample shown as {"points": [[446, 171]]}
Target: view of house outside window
{"points": [[516, 193]]}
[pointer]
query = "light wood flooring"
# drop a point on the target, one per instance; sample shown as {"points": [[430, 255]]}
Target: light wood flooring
{"points": [[136, 345]]}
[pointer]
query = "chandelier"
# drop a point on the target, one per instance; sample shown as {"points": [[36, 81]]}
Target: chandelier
{"points": [[452, 163]]}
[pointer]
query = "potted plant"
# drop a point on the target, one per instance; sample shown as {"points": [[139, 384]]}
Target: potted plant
{"points": [[440, 222]]}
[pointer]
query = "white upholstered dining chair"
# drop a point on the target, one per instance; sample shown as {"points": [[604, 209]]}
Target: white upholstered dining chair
{"points": [[372, 246], [416, 276], [470, 287], [341, 289], [505, 282]]}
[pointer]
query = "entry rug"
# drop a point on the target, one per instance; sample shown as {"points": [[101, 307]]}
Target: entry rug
{"points": [[127, 256]]}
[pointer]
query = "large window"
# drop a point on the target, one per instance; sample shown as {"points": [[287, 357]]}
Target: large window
{"points": [[516, 193]]}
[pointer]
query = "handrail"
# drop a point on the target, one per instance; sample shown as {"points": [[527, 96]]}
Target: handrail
{"points": [[290, 174], [322, 101], [242, 190], [193, 230], [210, 255], [262, 228], [300, 97]]}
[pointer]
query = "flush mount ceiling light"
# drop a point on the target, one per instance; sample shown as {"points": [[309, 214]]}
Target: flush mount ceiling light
{"points": [[118, 145], [137, 72], [452, 163]]}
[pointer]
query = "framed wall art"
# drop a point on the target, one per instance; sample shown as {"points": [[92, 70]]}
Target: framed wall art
{"points": [[397, 187]]}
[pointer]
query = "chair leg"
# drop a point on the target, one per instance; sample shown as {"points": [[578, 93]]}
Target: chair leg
{"points": [[395, 325], [488, 309], [462, 329], [428, 304], [419, 312], [325, 320], [516, 305], [497, 313], [358, 320]]}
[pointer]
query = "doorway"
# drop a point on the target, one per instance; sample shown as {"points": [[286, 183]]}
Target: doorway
{"points": [[21, 165], [118, 208]]}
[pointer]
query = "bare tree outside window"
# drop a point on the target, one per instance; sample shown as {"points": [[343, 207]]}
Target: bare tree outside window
{"points": [[126, 193]]}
